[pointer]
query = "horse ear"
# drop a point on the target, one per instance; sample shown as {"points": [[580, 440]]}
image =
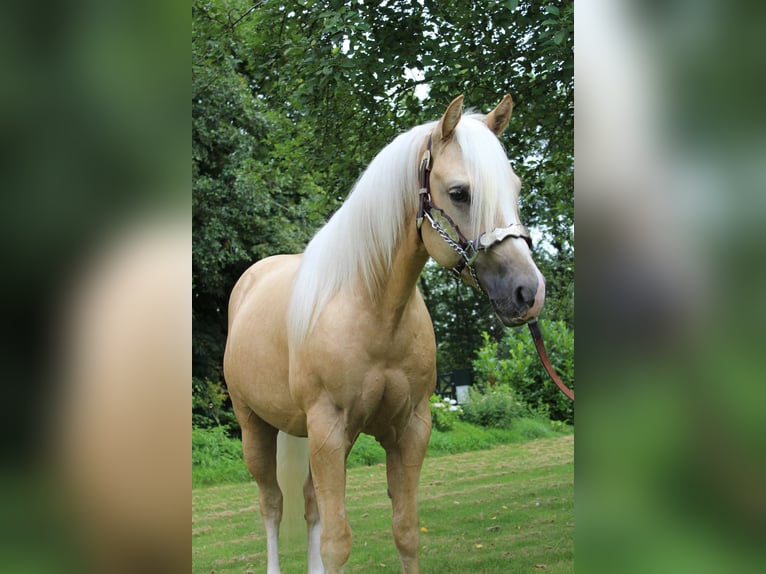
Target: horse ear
{"points": [[498, 118], [451, 118]]}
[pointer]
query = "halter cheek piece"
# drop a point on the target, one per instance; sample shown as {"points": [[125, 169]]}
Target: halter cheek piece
{"points": [[450, 232]]}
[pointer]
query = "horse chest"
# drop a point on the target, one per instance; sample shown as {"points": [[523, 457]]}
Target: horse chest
{"points": [[386, 399], [366, 376]]}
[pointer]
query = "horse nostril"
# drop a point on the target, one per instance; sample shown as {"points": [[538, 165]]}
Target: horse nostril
{"points": [[525, 296]]}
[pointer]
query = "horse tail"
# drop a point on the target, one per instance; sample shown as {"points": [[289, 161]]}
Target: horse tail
{"points": [[292, 471]]}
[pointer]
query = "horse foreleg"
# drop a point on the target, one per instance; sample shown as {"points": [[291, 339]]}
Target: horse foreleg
{"points": [[259, 445], [328, 447], [404, 459], [314, 527]]}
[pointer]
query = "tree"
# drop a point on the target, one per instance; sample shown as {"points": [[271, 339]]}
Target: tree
{"points": [[251, 198]]}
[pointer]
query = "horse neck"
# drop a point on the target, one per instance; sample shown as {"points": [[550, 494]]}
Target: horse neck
{"points": [[399, 287]]}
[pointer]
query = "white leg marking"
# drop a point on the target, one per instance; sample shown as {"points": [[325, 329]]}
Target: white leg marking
{"points": [[315, 559], [272, 537]]}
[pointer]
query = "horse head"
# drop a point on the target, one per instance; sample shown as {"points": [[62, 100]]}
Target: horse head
{"points": [[469, 217]]}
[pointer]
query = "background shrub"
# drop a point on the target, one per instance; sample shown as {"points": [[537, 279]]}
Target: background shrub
{"points": [[216, 458], [444, 413], [366, 452], [513, 362], [211, 406], [496, 407]]}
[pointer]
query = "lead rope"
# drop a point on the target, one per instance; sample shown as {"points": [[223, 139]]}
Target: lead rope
{"points": [[537, 337]]}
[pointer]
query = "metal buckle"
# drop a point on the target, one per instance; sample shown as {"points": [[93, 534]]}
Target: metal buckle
{"points": [[425, 161]]}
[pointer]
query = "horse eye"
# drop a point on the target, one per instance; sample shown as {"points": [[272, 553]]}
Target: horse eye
{"points": [[459, 195]]}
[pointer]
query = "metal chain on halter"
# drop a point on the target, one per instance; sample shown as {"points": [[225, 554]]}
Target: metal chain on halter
{"points": [[456, 271]]}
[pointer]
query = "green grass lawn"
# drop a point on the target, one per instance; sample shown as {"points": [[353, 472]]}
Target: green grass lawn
{"points": [[507, 509]]}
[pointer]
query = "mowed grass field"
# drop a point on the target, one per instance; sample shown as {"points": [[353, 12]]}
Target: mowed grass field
{"points": [[508, 509]]}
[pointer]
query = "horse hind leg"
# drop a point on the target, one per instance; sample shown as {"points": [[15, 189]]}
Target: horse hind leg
{"points": [[259, 446]]}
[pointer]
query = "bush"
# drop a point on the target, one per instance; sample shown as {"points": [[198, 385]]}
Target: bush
{"points": [[216, 458], [496, 407], [211, 406], [513, 362], [444, 413], [366, 452]]}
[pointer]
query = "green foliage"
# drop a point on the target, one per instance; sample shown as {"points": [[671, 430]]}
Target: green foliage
{"points": [[513, 363], [497, 406], [366, 452], [216, 458], [460, 315], [253, 192], [489, 369], [444, 413], [465, 437], [211, 406], [533, 428]]}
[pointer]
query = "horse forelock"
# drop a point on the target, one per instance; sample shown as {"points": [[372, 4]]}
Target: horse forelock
{"points": [[356, 246], [495, 187]]}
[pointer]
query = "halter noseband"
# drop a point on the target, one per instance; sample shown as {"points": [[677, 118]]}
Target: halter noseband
{"points": [[450, 232]]}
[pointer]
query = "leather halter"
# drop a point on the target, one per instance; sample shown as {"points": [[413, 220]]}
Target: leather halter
{"points": [[468, 250], [449, 231]]}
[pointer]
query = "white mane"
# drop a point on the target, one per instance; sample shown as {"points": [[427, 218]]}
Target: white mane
{"points": [[355, 248]]}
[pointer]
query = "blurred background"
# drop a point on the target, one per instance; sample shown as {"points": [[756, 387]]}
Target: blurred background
{"points": [[96, 250], [670, 204]]}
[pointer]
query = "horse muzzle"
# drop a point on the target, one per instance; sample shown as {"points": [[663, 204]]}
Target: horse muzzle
{"points": [[517, 298]]}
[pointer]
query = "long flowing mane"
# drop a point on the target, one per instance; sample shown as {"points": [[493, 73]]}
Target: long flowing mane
{"points": [[355, 248]]}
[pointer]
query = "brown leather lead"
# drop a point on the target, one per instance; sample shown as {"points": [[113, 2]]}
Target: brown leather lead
{"points": [[537, 337]]}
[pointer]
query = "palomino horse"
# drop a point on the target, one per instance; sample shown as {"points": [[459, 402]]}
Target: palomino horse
{"points": [[337, 341]]}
